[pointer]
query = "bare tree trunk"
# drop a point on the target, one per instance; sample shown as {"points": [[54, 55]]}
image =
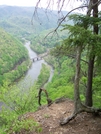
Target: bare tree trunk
{"points": [[77, 101], [89, 100]]}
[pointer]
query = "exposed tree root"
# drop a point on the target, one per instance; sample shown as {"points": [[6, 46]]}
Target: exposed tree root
{"points": [[83, 109], [49, 101], [68, 119]]}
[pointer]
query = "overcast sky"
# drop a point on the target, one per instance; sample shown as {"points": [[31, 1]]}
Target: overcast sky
{"points": [[18, 2], [33, 3]]}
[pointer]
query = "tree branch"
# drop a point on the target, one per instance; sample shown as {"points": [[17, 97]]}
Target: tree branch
{"points": [[63, 19], [82, 109], [91, 5]]}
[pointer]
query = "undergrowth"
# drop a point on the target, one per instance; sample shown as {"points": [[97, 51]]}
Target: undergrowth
{"points": [[18, 101]]}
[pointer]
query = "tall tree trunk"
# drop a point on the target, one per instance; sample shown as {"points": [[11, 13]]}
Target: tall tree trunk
{"points": [[77, 101], [89, 100]]}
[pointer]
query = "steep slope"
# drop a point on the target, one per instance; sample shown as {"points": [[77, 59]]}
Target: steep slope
{"points": [[13, 57], [49, 120]]}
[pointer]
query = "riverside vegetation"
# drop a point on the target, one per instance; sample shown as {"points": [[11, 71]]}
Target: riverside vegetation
{"points": [[11, 118]]}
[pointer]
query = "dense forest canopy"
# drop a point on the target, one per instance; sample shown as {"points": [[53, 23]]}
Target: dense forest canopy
{"points": [[13, 57]]}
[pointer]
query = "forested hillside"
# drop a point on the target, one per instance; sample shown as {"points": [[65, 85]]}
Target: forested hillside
{"points": [[44, 41], [13, 58], [19, 22], [24, 21]]}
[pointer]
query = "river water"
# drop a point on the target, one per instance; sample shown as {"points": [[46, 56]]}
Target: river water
{"points": [[32, 74], [34, 70]]}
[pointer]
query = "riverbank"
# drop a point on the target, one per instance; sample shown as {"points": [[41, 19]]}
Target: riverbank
{"points": [[33, 73], [34, 70]]}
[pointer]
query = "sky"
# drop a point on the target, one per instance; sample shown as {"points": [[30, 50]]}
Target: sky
{"points": [[18, 2], [33, 3]]}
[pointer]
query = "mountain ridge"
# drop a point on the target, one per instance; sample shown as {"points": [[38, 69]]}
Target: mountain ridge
{"points": [[22, 17]]}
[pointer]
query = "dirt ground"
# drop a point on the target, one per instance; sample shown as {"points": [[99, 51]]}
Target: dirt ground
{"points": [[49, 118]]}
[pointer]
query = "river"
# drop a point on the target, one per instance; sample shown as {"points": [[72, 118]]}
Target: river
{"points": [[34, 70], [32, 74]]}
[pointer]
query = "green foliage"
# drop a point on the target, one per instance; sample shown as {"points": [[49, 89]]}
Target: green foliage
{"points": [[64, 72], [79, 35], [25, 101], [84, 20], [96, 98], [50, 60], [62, 81], [13, 59], [26, 126], [44, 76], [82, 35], [40, 43], [61, 91], [12, 123], [97, 90], [39, 49]]}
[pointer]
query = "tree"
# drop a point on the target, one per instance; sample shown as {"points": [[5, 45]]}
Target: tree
{"points": [[89, 101], [80, 37], [79, 107]]}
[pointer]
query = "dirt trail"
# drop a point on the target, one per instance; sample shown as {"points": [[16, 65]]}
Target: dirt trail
{"points": [[49, 118]]}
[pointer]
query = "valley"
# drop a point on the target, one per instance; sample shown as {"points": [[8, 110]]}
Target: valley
{"points": [[62, 73]]}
